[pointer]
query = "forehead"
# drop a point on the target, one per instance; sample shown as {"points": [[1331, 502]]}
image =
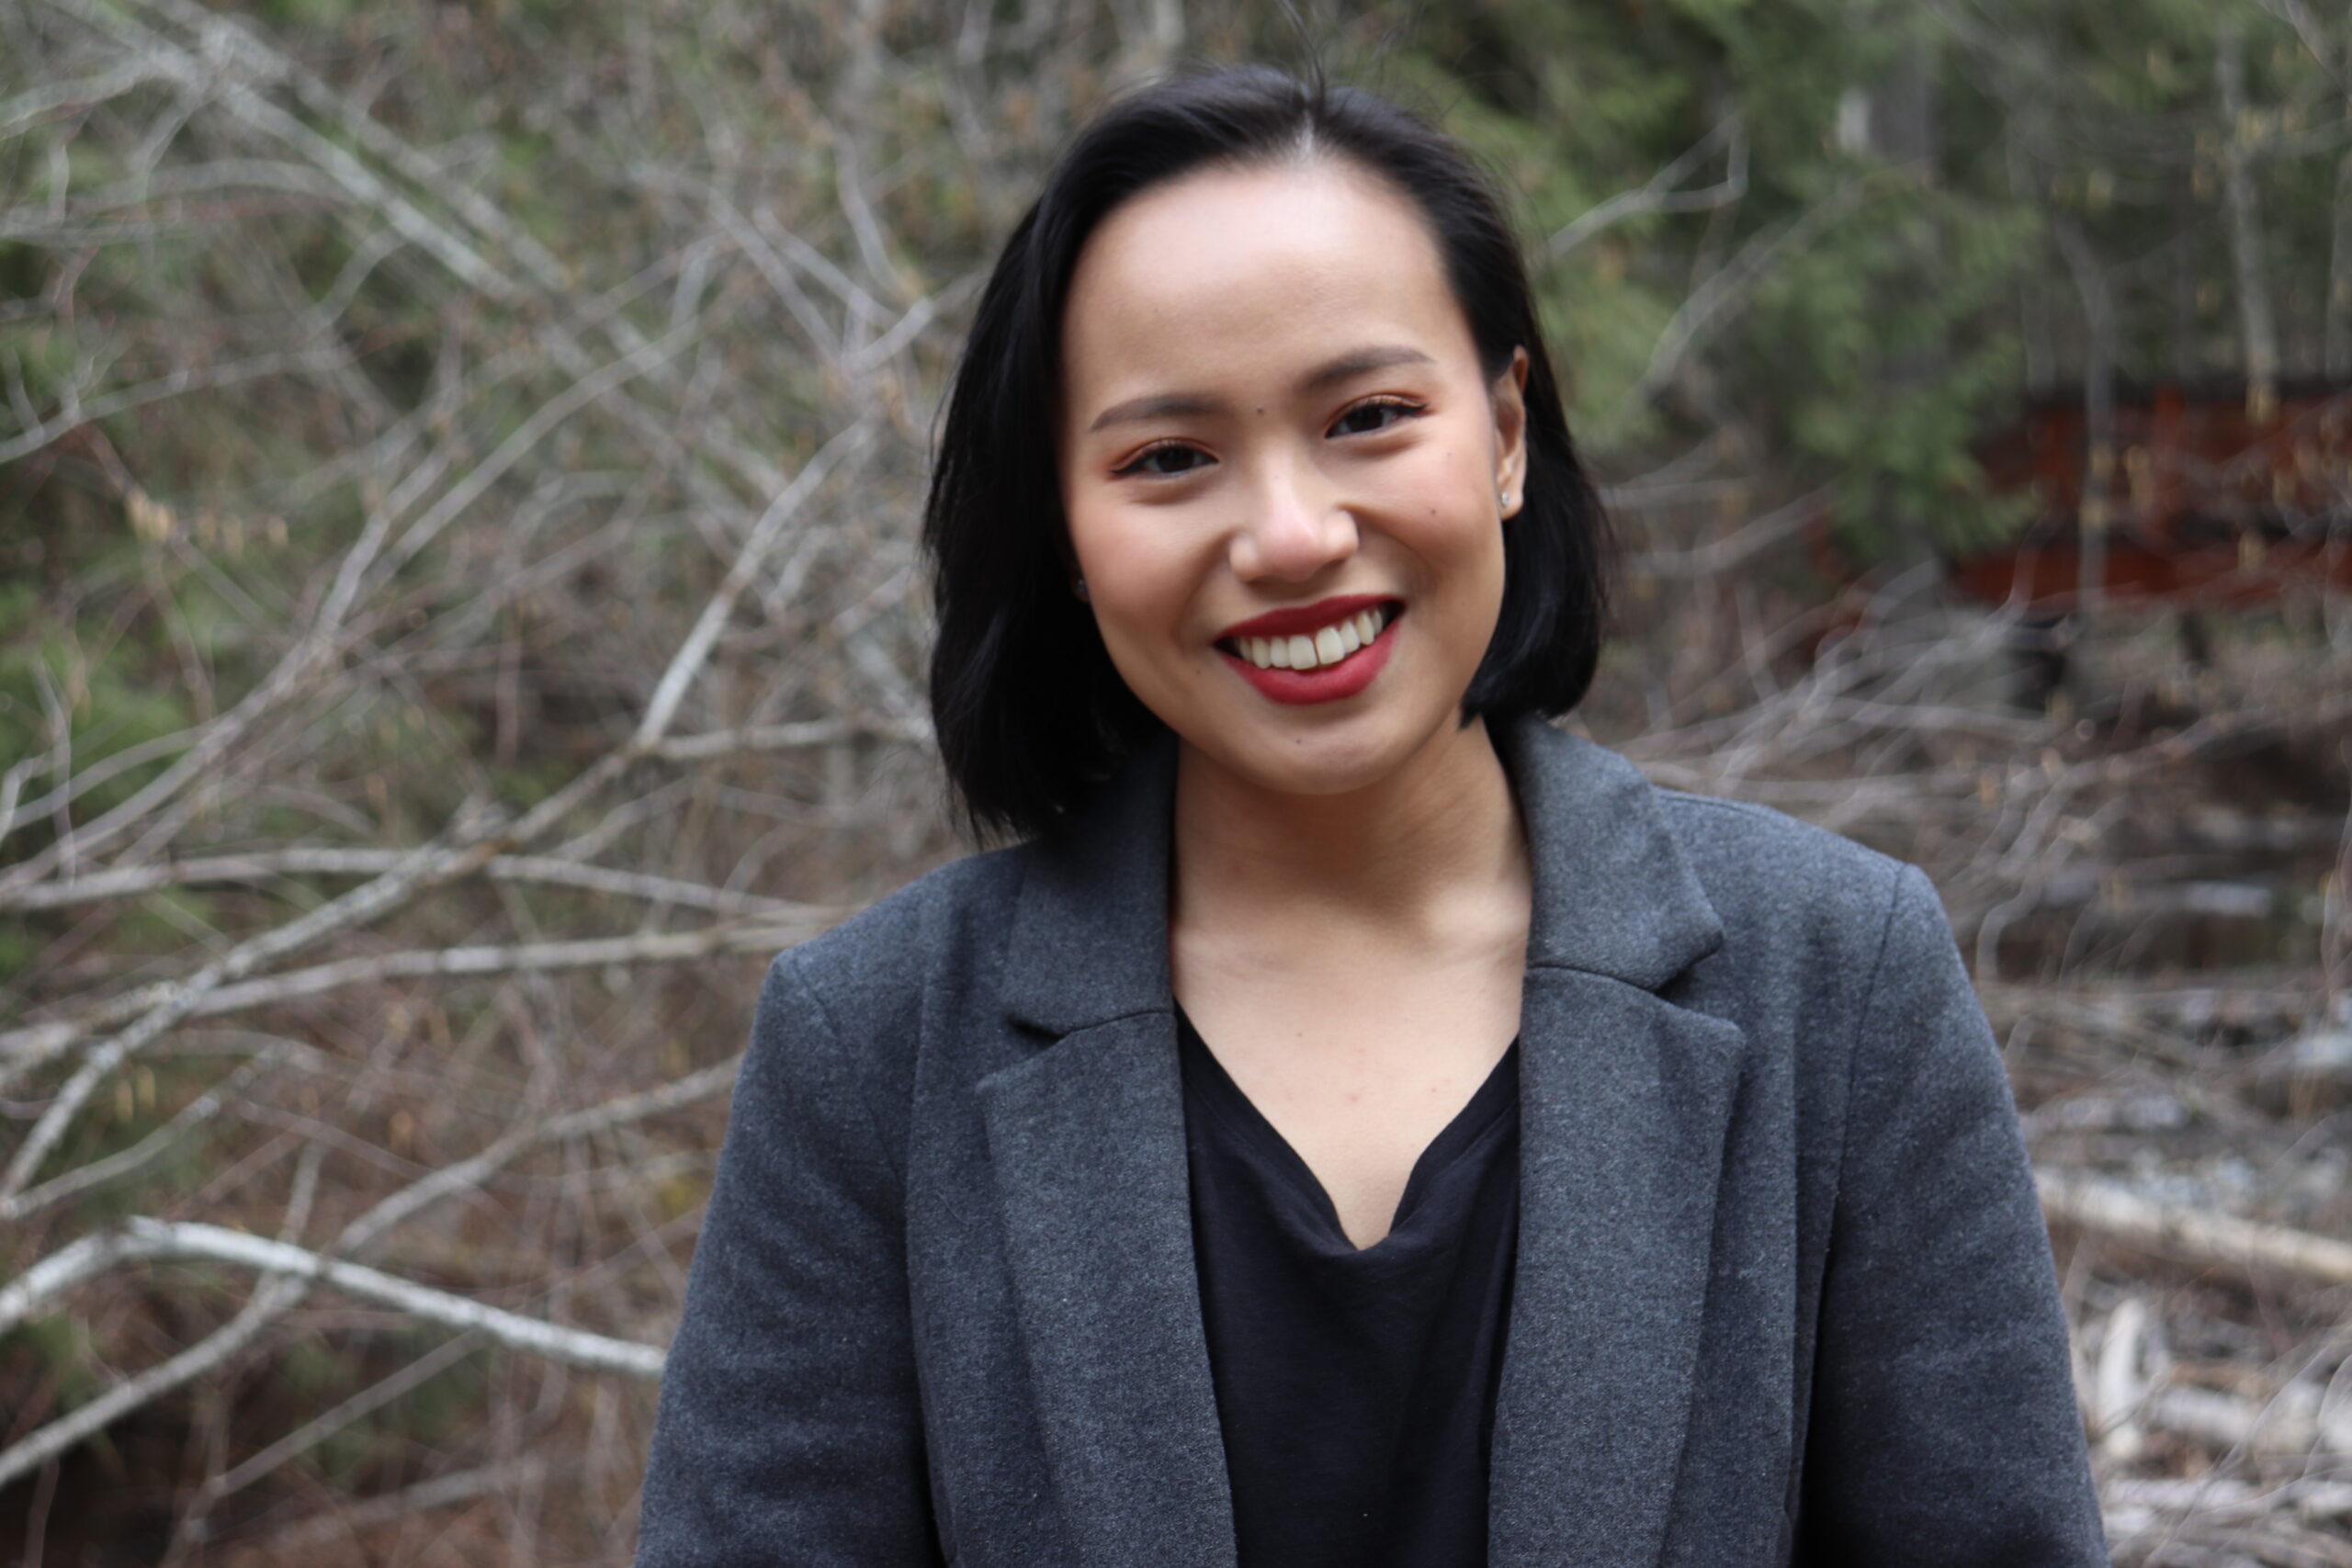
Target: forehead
{"points": [[1226, 275]]}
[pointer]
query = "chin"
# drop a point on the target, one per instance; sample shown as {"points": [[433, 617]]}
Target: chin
{"points": [[1318, 759]]}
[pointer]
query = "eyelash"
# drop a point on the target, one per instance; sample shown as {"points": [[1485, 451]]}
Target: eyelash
{"points": [[1406, 408], [1135, 465]]}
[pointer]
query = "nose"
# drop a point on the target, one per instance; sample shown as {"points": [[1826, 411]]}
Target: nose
{"points": [[1295, 529]]}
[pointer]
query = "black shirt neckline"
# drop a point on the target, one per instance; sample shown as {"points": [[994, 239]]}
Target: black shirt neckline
{"points": [[1355, 1388], [1494, 1098]]}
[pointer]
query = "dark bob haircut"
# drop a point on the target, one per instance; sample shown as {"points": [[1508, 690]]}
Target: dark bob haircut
{"points": [[1029, 711]]}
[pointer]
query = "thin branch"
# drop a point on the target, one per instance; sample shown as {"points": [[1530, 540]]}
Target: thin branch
{"points": [[2098, 412], [140, 1239], [784, 737], [83, 1178], [2193, 1236], [274, 65], [270, 866], [2245, 226], [45, 1042], [467, 1173], [1659, 194], [318, 1429], [77, 96], [295, 666], [88, 778], [86, 1421], [1719, 296], [280, 1292], [441, 1492], [1736, 549], [178, 383], [688, 660], [586, 389], [183, 999], [2298, 16]]}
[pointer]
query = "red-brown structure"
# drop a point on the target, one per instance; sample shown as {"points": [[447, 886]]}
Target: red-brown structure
{"points": [[2202, 495]]}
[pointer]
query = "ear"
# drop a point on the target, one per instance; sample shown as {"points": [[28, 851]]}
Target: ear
{"points": [[1071, 574], [1508, 397]]}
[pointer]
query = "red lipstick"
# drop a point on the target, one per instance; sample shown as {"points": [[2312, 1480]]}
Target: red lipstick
{"points": [[1303, 620], [1325, 683]]}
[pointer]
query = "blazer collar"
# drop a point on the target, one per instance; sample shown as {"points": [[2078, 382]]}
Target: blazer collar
{"points": [[1613, 894], [1625, 1102], [1090, 931]]}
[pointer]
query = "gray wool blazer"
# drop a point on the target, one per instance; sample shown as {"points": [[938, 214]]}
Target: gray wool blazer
{"points": [[1783, 1291]]}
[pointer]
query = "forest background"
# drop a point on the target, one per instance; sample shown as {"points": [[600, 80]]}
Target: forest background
{"points": [[459, 616]]}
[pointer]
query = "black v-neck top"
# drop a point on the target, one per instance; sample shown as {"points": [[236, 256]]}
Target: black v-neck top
{"points": [[1356, 1389]]}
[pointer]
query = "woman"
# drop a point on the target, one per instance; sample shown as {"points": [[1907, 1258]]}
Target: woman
{"points": [[1362, 1124]]}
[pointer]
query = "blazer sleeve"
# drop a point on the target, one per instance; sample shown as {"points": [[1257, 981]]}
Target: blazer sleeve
{"points": [[1944, 1431], [790, 1430]]}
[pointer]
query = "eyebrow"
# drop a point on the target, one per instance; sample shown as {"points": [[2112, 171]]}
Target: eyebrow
{"points": [[1177, 405]]}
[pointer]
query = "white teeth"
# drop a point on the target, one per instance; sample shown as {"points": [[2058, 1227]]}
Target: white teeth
{"points": [[1327, 646]]}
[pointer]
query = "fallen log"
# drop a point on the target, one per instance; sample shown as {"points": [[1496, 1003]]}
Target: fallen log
{"points": [[2190, 1236]]}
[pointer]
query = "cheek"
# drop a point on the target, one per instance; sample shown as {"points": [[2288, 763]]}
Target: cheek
{"points": [[1445, 482], [1138, 577], [1448, 510]]}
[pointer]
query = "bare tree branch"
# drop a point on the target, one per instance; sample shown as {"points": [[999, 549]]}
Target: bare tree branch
{"points": [[2111, 1210], [146, 1240], [546, 870], [1712, 301], [284, 1287], [1661, 195], [2245, 225]]}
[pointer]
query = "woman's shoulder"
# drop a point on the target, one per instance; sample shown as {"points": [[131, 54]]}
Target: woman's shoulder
{"points": [[1669, 857], [883, 956], [1751, 858], [1809, 915], [840, 1016], [1784, 907]]}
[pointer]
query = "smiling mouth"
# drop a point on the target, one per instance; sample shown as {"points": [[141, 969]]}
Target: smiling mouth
{"points": [[1325, 645]]}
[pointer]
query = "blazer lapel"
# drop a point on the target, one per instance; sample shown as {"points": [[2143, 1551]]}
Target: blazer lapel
{"points": [[1088, 1146], [1623, 1100], [1087, 1139], [1624, 1103]]}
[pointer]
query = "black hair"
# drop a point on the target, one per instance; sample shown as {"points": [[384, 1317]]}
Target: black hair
{"points": [[1029, 712]]}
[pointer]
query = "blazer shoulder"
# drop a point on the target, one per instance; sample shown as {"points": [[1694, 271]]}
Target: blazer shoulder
{"points": [[844, 1013], [874, 968], [1775, 879]]}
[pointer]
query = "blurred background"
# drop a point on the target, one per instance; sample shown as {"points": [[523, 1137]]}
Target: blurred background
{"points": [[459, 616]]}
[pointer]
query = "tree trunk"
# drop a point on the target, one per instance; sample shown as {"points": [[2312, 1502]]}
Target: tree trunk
{"points": [[2245, 230]]}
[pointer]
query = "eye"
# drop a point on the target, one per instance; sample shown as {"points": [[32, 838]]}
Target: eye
{"points": [[1377, 415], [1168, 460]]}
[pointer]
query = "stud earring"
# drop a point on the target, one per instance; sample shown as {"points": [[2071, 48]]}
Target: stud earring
{"points": [[1078, 586]]}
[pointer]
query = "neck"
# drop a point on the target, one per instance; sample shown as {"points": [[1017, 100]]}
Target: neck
{"points": [[1396, 853]]}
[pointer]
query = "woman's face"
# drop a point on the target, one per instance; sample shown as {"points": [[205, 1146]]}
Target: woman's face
{"points": [[1276, 438]]}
